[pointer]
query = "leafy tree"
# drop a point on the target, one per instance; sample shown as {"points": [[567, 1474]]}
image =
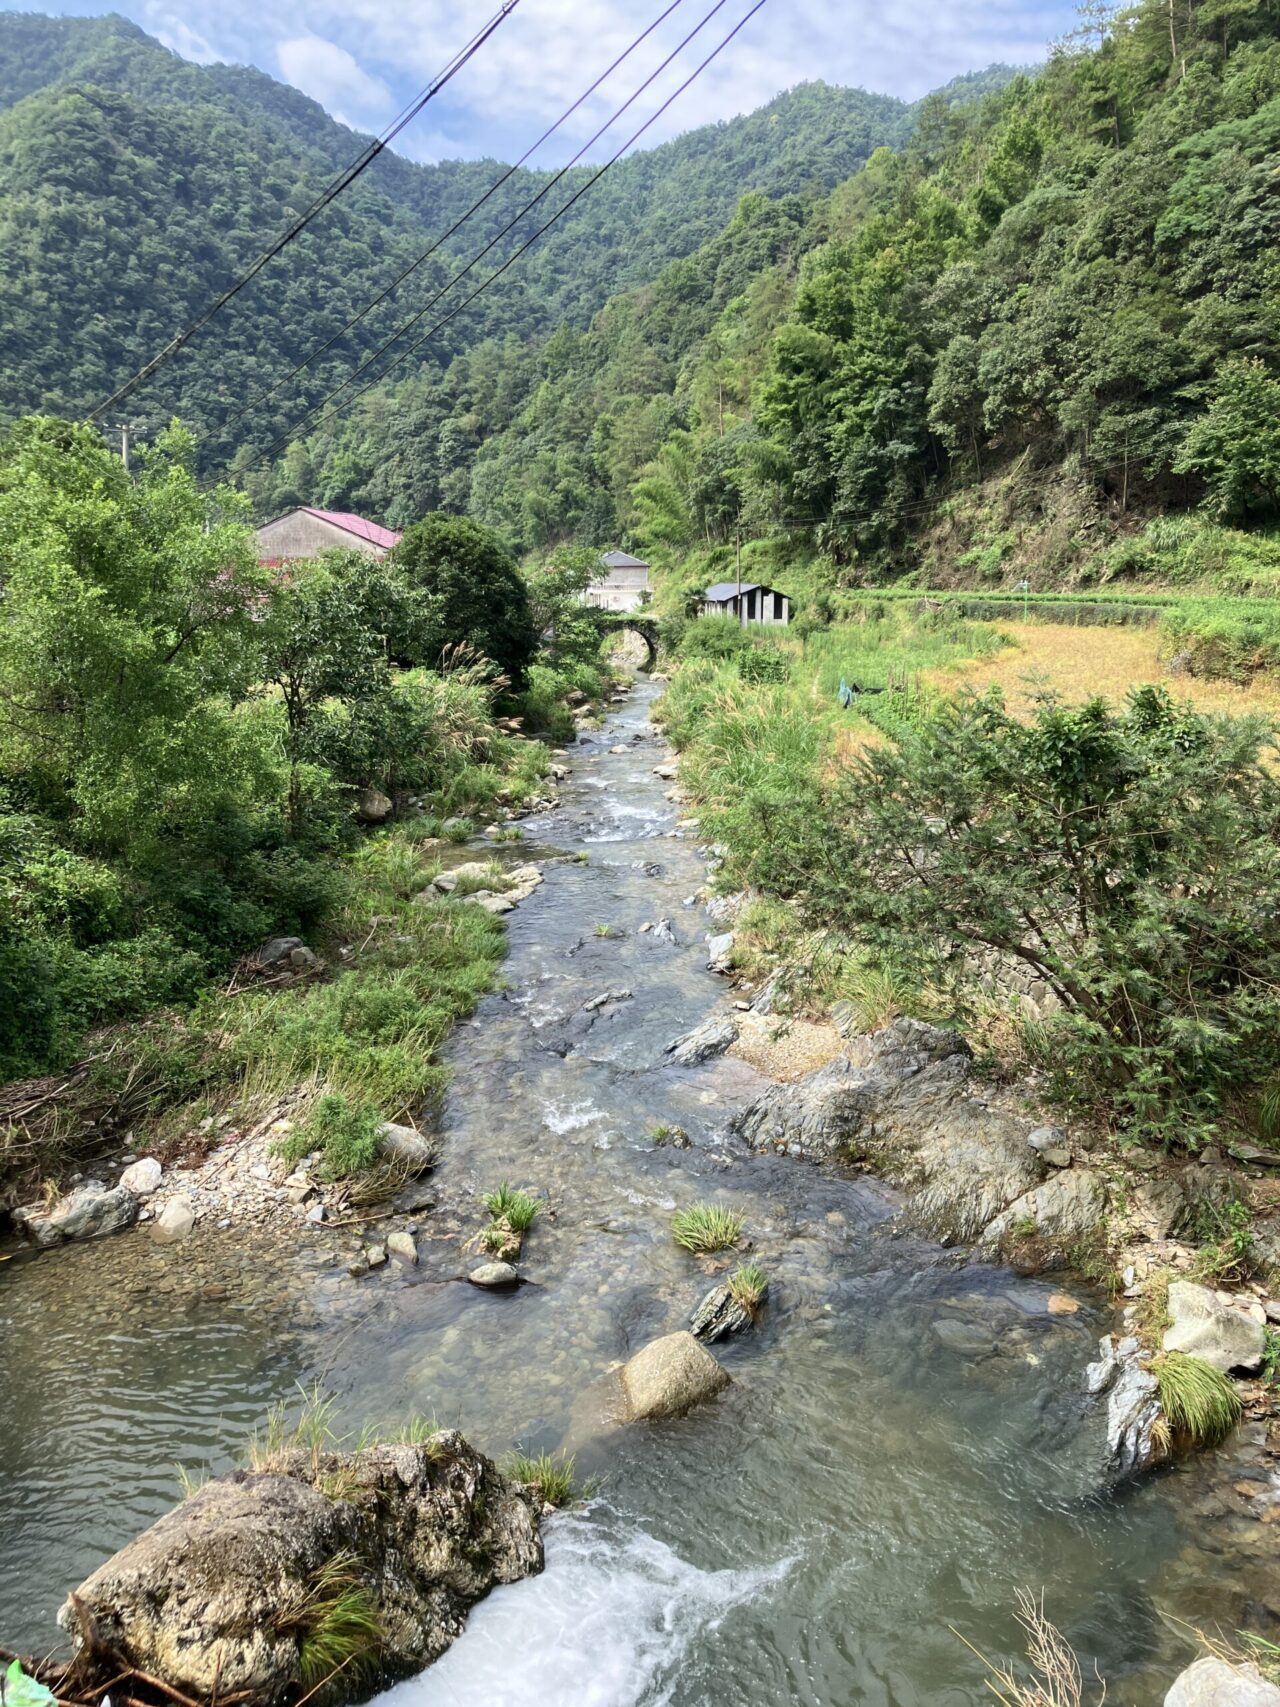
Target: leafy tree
{"points": [[1236, 444], [1129, 858], [477, 595]]}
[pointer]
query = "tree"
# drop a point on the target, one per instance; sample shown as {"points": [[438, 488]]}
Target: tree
{"points": [[127, 629], [1236, 445], [1129, 858], [478, 597]]}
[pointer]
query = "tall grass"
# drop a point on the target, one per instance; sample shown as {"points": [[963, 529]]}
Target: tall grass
{"points": [[1201, 1405], [706, 1227]]}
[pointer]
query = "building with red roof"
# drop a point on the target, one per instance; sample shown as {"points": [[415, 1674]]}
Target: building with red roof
{"points": [[306, 532]]}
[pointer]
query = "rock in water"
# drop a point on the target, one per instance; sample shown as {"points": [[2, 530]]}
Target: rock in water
{"points": [[1066, 1207], [1213, 1682], [403, 1245], [216, 1595], [405, 1144], [668, 1377], [142, 1177], [718, 1314], [1135, 1441], [719, 952], [705, 1041], [494, 1275], [89, 1211], [1221, 1334]]}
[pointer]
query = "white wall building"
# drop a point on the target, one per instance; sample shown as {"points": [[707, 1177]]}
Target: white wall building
{"points": [[623, 585], [747, 602]]}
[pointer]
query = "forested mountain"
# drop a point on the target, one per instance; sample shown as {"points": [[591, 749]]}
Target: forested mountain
{"points": [[1061, 302], [133, 185]]}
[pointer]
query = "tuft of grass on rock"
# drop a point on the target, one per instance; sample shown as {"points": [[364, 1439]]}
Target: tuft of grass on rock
{"points": [[552, 1480], [1200, 1404], [513, 1205], [706, 1227], [748, 1286], [336, 1623]]}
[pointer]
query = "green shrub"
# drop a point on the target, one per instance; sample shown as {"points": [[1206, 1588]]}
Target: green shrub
{"points": [[551, 1480], [1201, 1405], [748, 1285], [348, 1136], [516, 1207], [706, 1227]]}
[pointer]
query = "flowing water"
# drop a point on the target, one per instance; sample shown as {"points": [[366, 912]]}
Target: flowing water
{"points": [[903, 1445]]}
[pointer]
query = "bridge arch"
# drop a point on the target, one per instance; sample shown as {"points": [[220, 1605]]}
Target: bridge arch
{"points": [[632, 622]]}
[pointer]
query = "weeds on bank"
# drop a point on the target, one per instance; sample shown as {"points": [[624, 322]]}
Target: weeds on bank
{"points": [[706, 1227], [552, 1479], [1200, 1404], [348, 1136], [1054, 1680]]}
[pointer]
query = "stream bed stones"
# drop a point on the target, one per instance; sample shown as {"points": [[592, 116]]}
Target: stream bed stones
{"points": [[668, 1377]]}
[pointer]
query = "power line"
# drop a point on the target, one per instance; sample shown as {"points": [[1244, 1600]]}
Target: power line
{"points": [[285, 438], [321, 349], [420, 315], [332, 191]]}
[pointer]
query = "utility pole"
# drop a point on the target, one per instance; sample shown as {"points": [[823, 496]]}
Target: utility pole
{"points": [[125, 429], [737, 540]]}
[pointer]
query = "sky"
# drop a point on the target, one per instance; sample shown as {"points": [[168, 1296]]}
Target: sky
{"points": [[364, 60]]}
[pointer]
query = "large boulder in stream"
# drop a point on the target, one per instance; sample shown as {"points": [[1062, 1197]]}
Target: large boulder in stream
{"points": [[901, 1102], [1216, 1682], [228, 1593], [668, 1377]]}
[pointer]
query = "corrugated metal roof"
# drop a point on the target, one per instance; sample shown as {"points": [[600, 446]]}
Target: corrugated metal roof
{"points": [[372, 531], [728, 590], [621, 560]]}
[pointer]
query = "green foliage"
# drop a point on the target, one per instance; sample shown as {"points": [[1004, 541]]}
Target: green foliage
{"points": [[476, 594], [1200, 1404], [337, 1624], [551, 1478], [706, 1227], [1235, 445], [748, 1284], [516, 1207], [348, 1136], [1128, 858]]}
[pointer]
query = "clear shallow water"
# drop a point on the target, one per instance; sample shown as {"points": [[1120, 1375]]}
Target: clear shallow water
{"points": [[903, 1445]]}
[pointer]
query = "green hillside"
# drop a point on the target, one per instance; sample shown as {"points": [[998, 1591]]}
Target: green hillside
{"points": [[133, 185]]}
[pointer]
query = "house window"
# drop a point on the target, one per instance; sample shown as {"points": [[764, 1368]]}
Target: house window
{"points": [[777, 607]]}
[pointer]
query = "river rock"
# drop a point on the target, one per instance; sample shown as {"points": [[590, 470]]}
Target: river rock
{"points": [[473, 870], [275, 952], [1135, 1438], [718, 1314], [406, 1144], [1214, 1682], [900, 1100], [666, 771], [373, 806], [213, 1597], [1222, 1334], [719, 950], [705, 1041], [494, 1275], [668, 1377], [88, 1212], [174, 1221], [1065, 1208], [495, 904], [142, 1177], [403, 1245]]}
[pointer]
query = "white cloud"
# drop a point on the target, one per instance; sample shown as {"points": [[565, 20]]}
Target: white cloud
{"points": [[177, 34], [335, 78]]}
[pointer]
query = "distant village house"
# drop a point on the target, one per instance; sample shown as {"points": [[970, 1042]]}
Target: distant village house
{"points": [[624, 585], [305, 532], [747, 602]]}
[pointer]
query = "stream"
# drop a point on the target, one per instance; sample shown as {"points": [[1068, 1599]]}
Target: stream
{"points": [[904, 1443]]}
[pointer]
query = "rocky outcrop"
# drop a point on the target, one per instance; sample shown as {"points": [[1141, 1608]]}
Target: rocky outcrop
{"points": [[720, 952], [1136, 1439], [719, 1314], [1215, 1682], [1062, 1210], [901, 1101], [88, 1212], [704, 1042], [668, 1377], [223, 1594], [1220, 1330]]}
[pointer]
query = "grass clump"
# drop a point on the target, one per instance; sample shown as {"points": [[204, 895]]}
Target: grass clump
{"points": [[347, 1134], [748, 1286], [706, 1227], [552, 1480], [336, 1623], [1200, 1404], [512, 1205]]}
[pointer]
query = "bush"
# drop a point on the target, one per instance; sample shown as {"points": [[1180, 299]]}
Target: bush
{"points": [[706, 1227], [347, 1134], [1129, 858], [1200, 1404], [476, 591]]}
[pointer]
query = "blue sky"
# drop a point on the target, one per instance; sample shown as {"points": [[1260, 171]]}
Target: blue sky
{"points": [[364, 59]]}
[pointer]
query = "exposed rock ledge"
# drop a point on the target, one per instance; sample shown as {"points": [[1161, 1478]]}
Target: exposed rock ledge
{"points": [[901, 1102], [219, 1596]]}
